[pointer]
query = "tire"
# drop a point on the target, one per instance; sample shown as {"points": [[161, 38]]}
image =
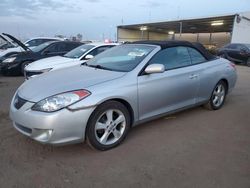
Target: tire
{"points": [[248, 62], [24, 64], [223, 55], [108, 125], [219, 92]]}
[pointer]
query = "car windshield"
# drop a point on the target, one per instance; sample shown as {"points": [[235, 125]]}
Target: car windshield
{"points": [[79, 51], [42, 46], [123, 58]]}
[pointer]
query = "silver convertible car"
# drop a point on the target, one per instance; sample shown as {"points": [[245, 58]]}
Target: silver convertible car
{"points": [[127, 85]]}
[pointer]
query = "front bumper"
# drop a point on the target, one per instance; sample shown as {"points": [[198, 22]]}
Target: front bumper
{"points": [[10, 68], [57, 128]]}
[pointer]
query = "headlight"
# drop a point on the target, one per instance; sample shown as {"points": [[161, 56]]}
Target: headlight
{"points": [[57, 102], [46, 70], [36, 71], [9, 60]]}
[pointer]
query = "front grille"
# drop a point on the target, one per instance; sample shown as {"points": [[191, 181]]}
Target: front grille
{"points": [[28, 74], [19, 102], [24, 129]]}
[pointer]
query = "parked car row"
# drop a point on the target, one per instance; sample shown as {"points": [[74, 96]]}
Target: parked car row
{"points": [[99, 100], [74, 57], [15, 55], [13, 62], [11, 45]]}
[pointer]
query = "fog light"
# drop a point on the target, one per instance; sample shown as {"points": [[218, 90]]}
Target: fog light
{"points": [[42, 135]]}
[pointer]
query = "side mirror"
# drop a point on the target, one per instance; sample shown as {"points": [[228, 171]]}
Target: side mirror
{"points": [[87, 57], [155, 68]]}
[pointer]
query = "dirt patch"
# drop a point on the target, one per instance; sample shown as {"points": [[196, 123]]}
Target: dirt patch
{"points": [[194, 148]]}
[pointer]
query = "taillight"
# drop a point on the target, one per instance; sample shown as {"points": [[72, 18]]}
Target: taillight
{"points": [[232, 65]]}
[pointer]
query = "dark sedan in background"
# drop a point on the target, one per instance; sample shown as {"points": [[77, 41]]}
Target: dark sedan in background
{"points": [[236, 52], [14, 64]]}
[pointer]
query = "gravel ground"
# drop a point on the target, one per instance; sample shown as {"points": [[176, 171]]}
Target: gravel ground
{"points": [[194, 148]]}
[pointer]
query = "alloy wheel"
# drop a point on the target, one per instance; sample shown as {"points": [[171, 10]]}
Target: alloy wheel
{"points": [[110, 126], [218, 95]]}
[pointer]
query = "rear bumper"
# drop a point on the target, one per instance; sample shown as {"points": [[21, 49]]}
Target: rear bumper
{"points": [[242, 60], [57, 128]]}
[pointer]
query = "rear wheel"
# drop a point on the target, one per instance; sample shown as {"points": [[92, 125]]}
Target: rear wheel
{"points": [[223, 55], [218, 96], [108, 125], [248, 62]]}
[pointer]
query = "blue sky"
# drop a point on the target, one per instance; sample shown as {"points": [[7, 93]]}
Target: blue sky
{"points": [[97, 18]]}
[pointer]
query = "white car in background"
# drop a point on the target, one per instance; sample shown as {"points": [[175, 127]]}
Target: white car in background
{"points": [[34, 42], [75, 57], [31, 43]]}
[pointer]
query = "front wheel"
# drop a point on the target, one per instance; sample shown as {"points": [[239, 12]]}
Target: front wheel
{"points": [[218, 96], [23, 66], [108, 125]]}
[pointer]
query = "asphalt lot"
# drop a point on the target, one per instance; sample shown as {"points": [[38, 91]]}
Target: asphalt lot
{"points": [[194, 148]]}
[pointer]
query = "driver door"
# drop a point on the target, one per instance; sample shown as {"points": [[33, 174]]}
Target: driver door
{"points": [[171, 90]]}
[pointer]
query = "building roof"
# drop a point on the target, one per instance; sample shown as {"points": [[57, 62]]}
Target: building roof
{"points": [[198, 25]]}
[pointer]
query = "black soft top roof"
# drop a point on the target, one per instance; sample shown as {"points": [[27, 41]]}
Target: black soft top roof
{"points": [[174, 43]]}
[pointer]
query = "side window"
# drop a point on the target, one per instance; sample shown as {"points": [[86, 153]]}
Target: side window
{"points": [[34, 42], [171, 58], [238, 46], [53, 48], [62, 47], [241, 47], [71, 46], [196, 57], [41, 41], [232, 46], [57, 47], [99, 50]]}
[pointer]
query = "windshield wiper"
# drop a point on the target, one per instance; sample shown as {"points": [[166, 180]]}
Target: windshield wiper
{"points": [[96, 66]]}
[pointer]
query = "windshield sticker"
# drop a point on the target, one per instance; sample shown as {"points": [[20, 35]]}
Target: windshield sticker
{"points": [[83, 49], [137, 53]]}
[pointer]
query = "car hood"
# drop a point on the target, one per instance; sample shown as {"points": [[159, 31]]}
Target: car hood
{"points": [[6, 40], [63, 80], [9, 50], [17, 41], [50, 62]]}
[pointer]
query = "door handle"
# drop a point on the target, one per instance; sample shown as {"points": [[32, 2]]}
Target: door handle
{"points": [[193, 76]]}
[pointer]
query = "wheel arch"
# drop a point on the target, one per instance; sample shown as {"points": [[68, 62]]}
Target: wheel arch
{"points": [[226, 82], [120, 100], [127, 105]]}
